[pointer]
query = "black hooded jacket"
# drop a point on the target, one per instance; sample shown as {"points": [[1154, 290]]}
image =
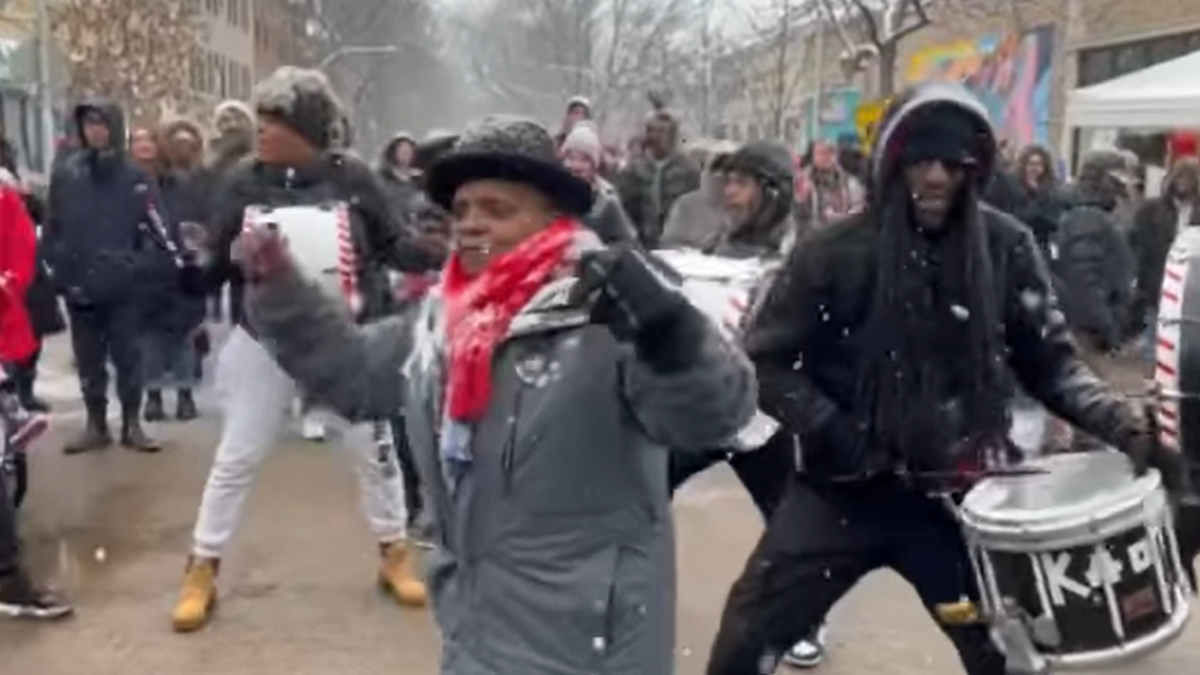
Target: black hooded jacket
{"points": [[1091, 257], [379, 240], [96, 233], [810, 336]]}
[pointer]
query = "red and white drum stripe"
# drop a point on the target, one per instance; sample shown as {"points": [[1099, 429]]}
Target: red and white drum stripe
{"points": [[1166, 363], [738, 303], [347, 260]]}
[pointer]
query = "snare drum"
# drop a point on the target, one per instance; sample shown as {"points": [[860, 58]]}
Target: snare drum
{"points": [[1177, 347], [720, 287], [723, 289], [1083, 557]]}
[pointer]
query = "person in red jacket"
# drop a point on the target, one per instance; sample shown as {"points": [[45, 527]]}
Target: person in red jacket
{"points": [[19, 596], [18, 255]]}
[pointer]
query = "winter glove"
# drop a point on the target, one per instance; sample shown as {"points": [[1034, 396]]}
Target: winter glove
{"points": [[1140, 442], [261, 253], [639, 305]]}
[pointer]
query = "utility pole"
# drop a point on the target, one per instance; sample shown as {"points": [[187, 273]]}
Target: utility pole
{"points": [[819, 96], [707, 46], [45, 86]]}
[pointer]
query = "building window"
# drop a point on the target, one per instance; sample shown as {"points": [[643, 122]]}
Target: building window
{"points": [[1105, 63]]}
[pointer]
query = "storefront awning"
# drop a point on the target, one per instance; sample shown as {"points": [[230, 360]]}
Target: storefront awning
{"points": [[1164, 96]]}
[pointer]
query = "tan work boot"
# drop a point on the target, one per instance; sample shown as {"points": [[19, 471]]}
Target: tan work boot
{"points": [[396, 576], [198, 599]]}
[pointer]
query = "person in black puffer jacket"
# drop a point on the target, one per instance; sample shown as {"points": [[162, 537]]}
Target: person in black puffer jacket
{"points": [[1091, 257], [297, 165]]}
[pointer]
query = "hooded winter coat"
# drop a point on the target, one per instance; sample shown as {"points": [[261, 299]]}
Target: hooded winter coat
{"points": [[555, 550], [1155, 226], [96, 232], [770, 229], [811, 338], [697, 218]]}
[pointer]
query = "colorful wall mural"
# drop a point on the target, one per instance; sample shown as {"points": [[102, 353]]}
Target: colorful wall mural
{"points": [[836, 119], [1010, 73]]}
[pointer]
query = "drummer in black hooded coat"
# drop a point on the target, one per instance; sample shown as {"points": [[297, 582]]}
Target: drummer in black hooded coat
{"points": [[885, 344]]}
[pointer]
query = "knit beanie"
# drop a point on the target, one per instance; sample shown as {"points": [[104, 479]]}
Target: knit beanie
{"points": [[302, 99], [584, 139]]}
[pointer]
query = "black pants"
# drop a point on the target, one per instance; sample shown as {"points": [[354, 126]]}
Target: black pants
{"points": [[765, 472], [818, 545], [10, 551], [413, 500], [100, 333]]}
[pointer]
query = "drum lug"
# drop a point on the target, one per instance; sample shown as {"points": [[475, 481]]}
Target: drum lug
{"points": [[1014, 634]]}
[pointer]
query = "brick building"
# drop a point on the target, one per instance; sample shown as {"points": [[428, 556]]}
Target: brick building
{"points": [[222, 65], [280, 36]]}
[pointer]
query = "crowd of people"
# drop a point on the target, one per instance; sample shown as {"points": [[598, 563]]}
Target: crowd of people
{"points": [[517, 380]]}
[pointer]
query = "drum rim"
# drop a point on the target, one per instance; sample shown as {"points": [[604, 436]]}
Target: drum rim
{"points": [[1095, 509]]}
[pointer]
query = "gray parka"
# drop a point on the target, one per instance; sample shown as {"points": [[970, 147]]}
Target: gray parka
{"points": [[556, 546]]}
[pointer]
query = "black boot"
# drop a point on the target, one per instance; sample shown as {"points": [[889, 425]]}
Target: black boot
{"points": [[24, 377], [154, 406], [133, 438], [95, 435], [185, 406]]}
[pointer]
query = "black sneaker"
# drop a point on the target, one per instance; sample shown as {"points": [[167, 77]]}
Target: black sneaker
{"points": [[20, 599], [807, 653]]}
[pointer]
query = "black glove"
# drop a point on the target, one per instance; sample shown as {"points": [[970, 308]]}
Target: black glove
{"points": [[1141, 444], [639, 305]]}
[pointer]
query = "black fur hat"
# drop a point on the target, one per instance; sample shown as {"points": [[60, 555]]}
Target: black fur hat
{"points": [[304, 100], [508, 148]]}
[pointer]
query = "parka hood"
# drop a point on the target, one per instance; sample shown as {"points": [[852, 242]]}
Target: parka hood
{"points": [[242, 111], [389, 150], [885, 156], [112, 115]]}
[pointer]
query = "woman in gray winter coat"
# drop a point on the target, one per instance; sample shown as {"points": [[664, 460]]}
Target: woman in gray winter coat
{"points": [[544, 380]]}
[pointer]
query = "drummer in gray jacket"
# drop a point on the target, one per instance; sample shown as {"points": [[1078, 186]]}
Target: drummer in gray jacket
{"points": [[545, 378]]}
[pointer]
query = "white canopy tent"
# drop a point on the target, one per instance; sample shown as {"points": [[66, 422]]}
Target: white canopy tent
{"points": [[1161, 97], [1164, 96]]}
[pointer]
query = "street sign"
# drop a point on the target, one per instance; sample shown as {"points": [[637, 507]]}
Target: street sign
{"points": [[866, 117]]}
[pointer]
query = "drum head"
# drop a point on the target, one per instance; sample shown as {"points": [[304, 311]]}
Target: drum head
{"points": [[1076, 486]]}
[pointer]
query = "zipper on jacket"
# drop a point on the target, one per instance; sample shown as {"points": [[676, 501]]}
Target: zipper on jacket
{"points": [[508, 455]]}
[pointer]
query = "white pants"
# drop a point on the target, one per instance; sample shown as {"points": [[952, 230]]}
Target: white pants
{"points": [[256, 395]]}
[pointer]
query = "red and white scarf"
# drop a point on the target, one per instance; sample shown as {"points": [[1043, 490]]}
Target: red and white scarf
{"points": [[479, 310]]}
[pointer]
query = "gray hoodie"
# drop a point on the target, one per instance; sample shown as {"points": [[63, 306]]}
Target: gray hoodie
{"points": [[555, 544]]}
